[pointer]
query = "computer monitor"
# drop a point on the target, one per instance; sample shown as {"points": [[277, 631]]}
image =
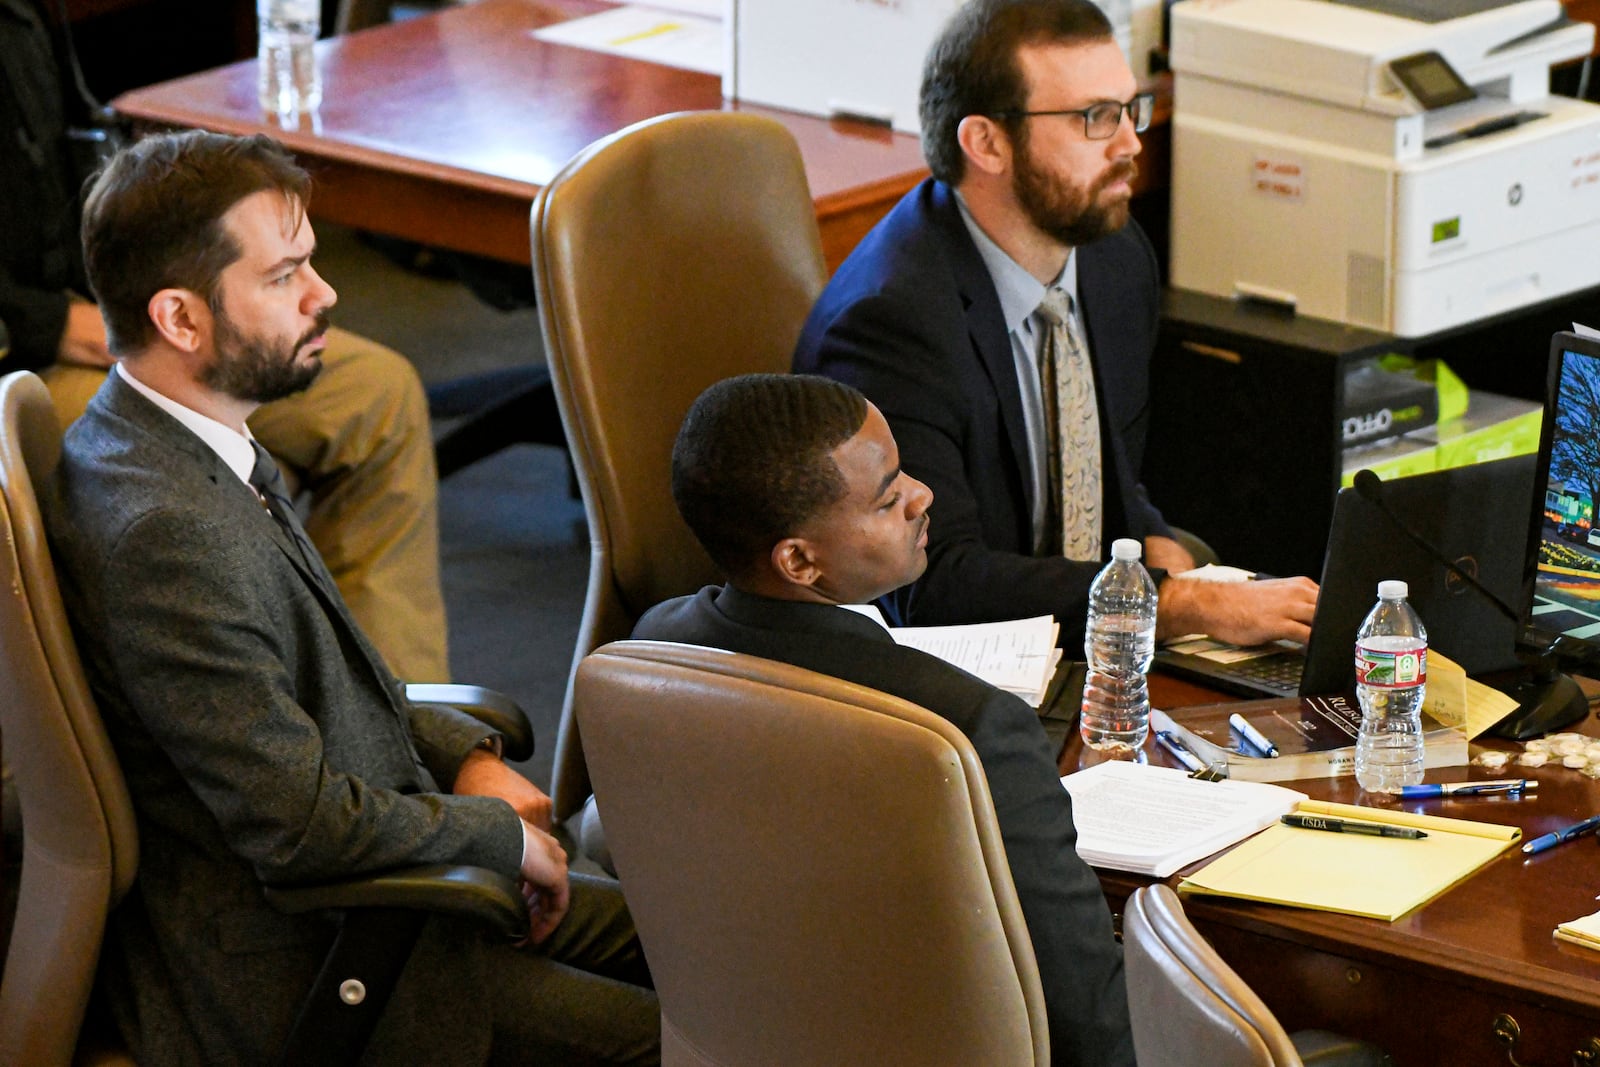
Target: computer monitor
{"points": [[1563, 564], [1561, 575], [1414, 529]]}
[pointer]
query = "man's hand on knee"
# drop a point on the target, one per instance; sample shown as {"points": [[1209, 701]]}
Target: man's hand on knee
{"points": [[545, 886]]}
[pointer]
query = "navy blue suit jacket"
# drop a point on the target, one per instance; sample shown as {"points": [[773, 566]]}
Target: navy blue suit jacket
{"points": [[913, 321], [1080, 963]]}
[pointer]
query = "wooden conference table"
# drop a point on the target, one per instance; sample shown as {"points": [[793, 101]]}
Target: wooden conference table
{"points": [[443, 128], [1443, 982]]}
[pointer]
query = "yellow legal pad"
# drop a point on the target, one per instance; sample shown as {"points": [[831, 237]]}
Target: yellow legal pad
{"points": [[1584, 931], [1379, 877]]}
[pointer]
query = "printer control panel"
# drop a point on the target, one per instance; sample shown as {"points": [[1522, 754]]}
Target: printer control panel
{"points": [[1430, 80]]}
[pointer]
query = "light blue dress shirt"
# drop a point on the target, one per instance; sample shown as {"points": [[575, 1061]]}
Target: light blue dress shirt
{"points": [[1020, 294]]}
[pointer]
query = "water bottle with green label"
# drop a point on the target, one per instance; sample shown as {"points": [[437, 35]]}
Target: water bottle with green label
{"points": [[1391, 677]]}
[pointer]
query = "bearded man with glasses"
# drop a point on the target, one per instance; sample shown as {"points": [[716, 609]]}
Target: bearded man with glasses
{"points": [[1003, 316]]}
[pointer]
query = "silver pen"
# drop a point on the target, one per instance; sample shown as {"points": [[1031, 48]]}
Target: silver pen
{"points": [[1252, 735], [1174, 744]]}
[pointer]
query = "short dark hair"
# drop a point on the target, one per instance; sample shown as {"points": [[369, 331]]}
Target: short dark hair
{"points": [[153, 220], [751, 464], [972, 68]]}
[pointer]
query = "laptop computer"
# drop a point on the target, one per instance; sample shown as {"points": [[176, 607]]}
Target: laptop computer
{"points": [[1476, 516]]}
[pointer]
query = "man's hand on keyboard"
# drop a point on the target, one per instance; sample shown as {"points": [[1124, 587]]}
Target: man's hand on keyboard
{"points": [[1245, 613]]}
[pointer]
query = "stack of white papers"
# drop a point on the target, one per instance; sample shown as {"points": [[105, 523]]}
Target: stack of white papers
{"points": [[1019, 657], [1153, 820]]}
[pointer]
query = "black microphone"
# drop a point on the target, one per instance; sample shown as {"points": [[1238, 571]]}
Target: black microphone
{"points": [[1370, 486], [1546, 699]]}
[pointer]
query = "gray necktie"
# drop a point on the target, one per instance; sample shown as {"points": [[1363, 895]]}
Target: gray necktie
{"points": [[1072, 432], [266, 480]]}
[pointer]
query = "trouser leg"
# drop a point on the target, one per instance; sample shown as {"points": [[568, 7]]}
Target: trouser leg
{"points": [[71, 389], [581, 998]]}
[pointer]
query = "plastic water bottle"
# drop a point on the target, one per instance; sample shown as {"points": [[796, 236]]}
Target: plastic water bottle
{"points": [[1119, 643], [289, 83], [1391, 676]]}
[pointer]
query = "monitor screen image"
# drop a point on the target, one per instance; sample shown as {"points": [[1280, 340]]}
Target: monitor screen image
{"points": [[1564, 546]]}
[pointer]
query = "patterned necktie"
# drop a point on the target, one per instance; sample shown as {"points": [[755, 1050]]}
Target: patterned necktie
{"points": [[266, 480], [1072, 433]]}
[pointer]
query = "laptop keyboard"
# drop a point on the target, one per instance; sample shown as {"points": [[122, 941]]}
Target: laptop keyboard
{"points": [[1280, 672]]}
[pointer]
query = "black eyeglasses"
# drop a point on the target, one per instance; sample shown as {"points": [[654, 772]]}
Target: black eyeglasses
{"points": [[1100, 121]]}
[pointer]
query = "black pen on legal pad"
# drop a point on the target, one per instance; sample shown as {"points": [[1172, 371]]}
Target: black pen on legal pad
{"points": [[1348, 826]]}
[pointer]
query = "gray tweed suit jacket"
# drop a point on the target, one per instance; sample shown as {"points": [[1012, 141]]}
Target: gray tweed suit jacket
{"points": [[264, 743]]}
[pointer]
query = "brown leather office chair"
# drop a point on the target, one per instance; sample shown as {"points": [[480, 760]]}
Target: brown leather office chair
{"points": [[80, 842], [1189, 1007], [814, 867], [669, 256]]}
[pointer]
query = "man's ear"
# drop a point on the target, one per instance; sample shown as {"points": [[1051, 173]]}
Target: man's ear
{"points": [[794, 561], [182, 318], [985, 143]]}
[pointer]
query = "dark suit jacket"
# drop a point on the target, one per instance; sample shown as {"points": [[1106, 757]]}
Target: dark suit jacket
{"points": [[1080, 965], [913, 321], [263, 743]]}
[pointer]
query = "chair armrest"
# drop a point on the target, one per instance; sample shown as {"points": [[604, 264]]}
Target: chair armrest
{"points": [[495, 710], [469, 892], [381, 919]]}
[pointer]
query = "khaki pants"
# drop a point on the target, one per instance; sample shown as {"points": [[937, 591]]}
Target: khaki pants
{"points": [[358, 442]]}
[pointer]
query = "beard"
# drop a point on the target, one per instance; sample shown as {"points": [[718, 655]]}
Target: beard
{"points": [[1074, 217], [257, 369]]}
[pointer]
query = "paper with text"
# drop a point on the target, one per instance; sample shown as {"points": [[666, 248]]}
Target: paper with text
{"points": [[1019, 656], [1153, 820], [1456, 700], [672, 38]]}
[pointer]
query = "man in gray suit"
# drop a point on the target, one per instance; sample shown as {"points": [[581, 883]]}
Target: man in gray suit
{"points": [[793, 485], [263, 740]]}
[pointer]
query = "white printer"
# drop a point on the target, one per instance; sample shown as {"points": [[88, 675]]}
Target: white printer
{"points": [[1399, 165]]}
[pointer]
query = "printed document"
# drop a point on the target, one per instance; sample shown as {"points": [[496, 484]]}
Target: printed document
{"points": [[1019, 657], [672, 38], [1153, 820]]}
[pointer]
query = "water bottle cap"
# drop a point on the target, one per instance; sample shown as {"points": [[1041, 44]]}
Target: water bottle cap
{"points": [[1393, 589], [1126, 548]]}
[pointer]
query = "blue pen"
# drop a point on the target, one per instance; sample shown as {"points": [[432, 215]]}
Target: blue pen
{"points": [[1167, 740], [1252, 735], [1512, 787], [1556, 837]]}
